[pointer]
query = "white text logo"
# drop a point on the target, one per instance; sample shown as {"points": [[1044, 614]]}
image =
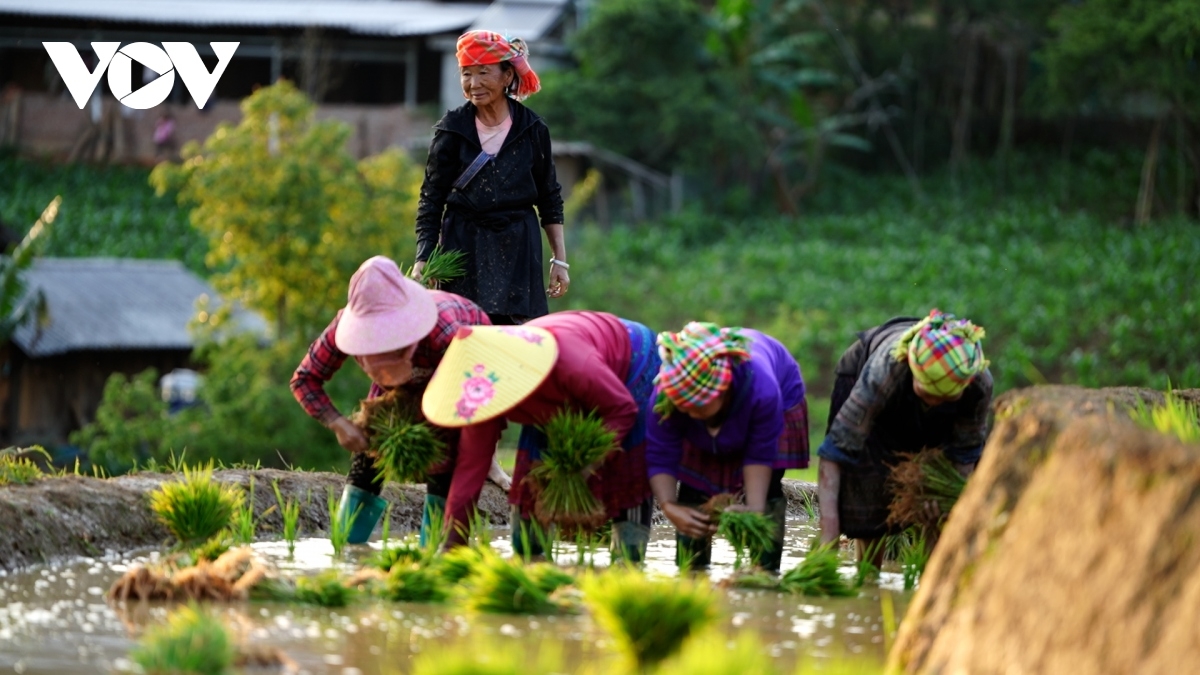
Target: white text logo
{"points": [[118, 61]]}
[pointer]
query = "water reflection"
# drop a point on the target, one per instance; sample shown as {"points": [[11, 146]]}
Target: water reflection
{"points": [[54, 619]]}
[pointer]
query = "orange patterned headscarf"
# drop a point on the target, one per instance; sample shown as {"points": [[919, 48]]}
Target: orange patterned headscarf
{"points": [[484, 48]]}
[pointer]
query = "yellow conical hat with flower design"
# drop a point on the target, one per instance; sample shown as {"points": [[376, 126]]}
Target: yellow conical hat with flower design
{"points": [[487, 370]]}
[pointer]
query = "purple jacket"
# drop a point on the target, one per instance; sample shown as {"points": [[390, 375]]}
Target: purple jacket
{"points": [[764, 387]]}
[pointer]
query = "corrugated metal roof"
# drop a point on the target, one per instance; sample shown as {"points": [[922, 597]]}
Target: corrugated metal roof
{"points": [[527, 19], [374, 17], [112, 303]]}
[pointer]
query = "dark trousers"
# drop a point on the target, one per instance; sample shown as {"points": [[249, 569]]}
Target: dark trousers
{"points": [[697, 553]]}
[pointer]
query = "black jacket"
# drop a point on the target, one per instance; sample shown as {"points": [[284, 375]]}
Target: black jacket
{"points": [[492, 219]]}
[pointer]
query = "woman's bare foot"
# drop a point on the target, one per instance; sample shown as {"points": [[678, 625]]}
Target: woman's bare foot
{"points": [[499, 476]]}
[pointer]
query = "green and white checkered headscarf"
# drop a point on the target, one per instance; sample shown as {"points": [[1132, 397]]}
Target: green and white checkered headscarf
{"points": [[943, 352]]}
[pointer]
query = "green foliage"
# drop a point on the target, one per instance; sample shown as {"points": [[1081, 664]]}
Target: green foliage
{"points": [[339, 526], [288, 214], [712, 654], [289, 511], [414, 582], [108, 211], [575, 444], [443, 266], [649, 619], [405, 444], [499, 586], [16, 306], [190, 642], [817, 575], [488, 656], [212, 549], [457, 564], [1174, 416], [244, 523], [131, 423], [749, 532], [390, 556], [912, 552], [18, 470], [326, 589], [195, 507]]}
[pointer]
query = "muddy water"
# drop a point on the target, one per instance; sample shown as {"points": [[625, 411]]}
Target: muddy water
{"points": [[54, 619]]}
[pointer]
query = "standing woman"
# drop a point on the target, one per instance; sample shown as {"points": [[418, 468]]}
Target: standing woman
{"points": [[731, 417], [489, 166], [578, 360]]}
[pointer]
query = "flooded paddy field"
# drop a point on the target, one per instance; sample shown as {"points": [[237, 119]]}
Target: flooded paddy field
{"points": [[55, 618]]}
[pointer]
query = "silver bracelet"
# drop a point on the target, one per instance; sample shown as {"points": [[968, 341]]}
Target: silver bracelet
{"points": [[560, 263]]}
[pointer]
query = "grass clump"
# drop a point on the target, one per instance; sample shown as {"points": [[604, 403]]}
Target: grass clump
{"points": [[289, 510], [18, 470], [920, 478], [443, 266], [751, 533], [649, 619], [457, 564], [499, 586], [190, 642], [326, 589], [1174, 416], [817, 575], [413, 582], [196, 507], [404, 444], [575, 444]]}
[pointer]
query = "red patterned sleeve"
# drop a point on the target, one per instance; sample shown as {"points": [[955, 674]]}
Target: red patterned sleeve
{"points": [[318, 367]]}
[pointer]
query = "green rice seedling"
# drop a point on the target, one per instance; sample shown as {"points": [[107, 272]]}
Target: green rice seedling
{"points": [[456, 564], [190, 642], [711, 654], [817, 575], [212, 549], [404, 444], [649, 619], [499, 586], [18, 470], [443, 266], [196, 507], [1174, 416], [753, 579], [289, 510], [339, 528], [575, 443], [326, 589], [865, 569], [489, 656], [388, 557], [413, 582], [244, 524], [478, 533], [751, 534], [913, 555]]}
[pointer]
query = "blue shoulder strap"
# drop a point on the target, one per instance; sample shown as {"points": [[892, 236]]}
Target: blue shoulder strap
{"points": [[469, 173]]}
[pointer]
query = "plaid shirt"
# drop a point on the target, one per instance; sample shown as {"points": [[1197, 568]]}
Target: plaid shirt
{"points": [[324, 358], [884, 380]]}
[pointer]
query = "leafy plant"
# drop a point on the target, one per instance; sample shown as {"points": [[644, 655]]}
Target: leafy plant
{"points": [[190, 642], [326, 589], [244, 523], [499, 586], [195, 507], [289, 511], [131, 423], [649, 619], [575, 444], [817, 575], [1174, 416], [913, 555], [339, 526], [404, 443], [18, 470], [16, 306]]}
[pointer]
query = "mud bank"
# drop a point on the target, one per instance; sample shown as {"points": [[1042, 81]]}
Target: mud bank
{"points": [[1074, 548], [56, 518]]}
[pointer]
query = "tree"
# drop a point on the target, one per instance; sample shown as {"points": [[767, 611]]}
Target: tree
{"points": [[1115, 50], [16, 306], [288, 212]]}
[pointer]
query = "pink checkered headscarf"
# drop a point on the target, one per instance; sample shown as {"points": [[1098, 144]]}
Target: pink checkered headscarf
{"points": [[484, 48], [698, 361]]}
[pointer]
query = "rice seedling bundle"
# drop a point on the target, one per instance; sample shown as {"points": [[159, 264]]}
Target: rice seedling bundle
{"points": [[413, 582], [190, 642], [390, 556], [575, 443], [456, 564], [710, 654], [649, 619], [817, 575], [339, 528], [326, 589], [404, 444], [489, 656], [1174, 416], [443, 266], [212, 549], [17, 470], [923, 477], [196, 507], [752, 579], [749, 532], [289, 510], [499, 586]]}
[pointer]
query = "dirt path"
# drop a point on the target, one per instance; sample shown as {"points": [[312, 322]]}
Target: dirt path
{"points": [[81, 516]]}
